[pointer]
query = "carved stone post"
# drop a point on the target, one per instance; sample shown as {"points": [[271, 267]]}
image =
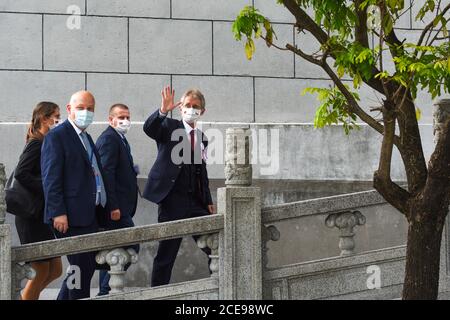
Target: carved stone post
{"points": [[238, 170], [21, 271], [269, 233], [441, 113], [345, 222], [117, 259], [5, 262], [2, 194], [5, 244], [211, 241], [240, 250]]}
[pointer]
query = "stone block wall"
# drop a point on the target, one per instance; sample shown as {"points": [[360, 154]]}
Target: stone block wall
{"points": [[126, 51]]}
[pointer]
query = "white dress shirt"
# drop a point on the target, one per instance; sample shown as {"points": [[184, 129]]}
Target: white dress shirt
{"points": [[188, 129], [78, 131]]}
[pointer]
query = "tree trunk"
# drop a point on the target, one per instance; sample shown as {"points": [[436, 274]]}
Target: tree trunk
{"points": [[423, 257], [427, 212]]}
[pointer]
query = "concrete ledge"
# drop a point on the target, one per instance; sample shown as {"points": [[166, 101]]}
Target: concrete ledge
{"points": [[117, 238], [340, 278], [346, 277], [196, 290], [298, 209], [335, 263]]}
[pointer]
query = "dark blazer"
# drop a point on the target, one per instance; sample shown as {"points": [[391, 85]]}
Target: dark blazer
{"points": [[164, 172], [28, 170], [120, 176], [28, 173], [67, 177]]}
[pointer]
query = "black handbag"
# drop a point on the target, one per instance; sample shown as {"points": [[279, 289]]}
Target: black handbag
{"points": [[20, 201]]}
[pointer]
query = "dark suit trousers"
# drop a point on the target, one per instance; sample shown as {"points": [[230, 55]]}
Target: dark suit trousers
{"points": [[175, 206], [84, 261]]}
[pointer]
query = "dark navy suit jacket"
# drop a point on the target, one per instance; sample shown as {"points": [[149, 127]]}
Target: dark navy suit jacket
{"points": [[164, 172], [120, 176], [68, 178]]}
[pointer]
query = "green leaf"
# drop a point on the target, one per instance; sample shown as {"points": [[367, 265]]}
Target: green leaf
{"points": [[382, 75], [431, 5], [418, 113], [356, 80], [249, 49], [258, 32], [340, 71], [267, 25]]}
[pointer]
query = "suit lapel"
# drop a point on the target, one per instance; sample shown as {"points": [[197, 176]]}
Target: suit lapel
{"points": [[76, 140], [122, 145]]}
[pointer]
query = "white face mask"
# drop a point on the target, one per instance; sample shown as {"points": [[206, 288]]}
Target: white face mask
{"points": [[190, 115], [123, 126], [56, 122], [83, 118]]}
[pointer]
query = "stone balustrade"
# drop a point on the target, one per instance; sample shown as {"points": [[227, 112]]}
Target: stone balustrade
{"points": [[238, 237], [21, 272], [117, 259], [345, 222], [2, 194], [211, 241]]}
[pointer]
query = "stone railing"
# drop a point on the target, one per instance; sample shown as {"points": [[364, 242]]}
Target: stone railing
{"points": [[348, 275], [108, 244], [340, 212], [239, 237], [233, 235]]}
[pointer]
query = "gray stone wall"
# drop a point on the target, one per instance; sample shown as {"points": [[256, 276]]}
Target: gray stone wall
{"points": [[125, 51]]}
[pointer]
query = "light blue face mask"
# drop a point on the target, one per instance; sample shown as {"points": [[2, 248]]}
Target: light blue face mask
{"points": [[83, 118]]}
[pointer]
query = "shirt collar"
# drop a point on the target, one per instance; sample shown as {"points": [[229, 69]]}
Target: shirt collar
{"points": [[188, 127], [119, 133], [77, 130]]}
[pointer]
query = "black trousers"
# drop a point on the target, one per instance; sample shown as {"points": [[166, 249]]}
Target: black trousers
{"points": [[77, 283], [175, 206]]}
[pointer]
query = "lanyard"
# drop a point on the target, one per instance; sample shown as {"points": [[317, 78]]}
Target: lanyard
{"points": [[96, 174]]}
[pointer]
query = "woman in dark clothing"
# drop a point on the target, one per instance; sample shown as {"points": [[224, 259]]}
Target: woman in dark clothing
{"points": [[46, 115]]}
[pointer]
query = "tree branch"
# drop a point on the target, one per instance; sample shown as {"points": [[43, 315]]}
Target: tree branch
{"points": [[353, 104], [437, 187], [384, 167], [411, 144], [392, 192], [304, 21], [361, 25], [428, 27], [304, 55]]}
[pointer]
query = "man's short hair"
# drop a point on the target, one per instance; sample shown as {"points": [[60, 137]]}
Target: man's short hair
{"points": [[195, 93], [117, 106]]}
